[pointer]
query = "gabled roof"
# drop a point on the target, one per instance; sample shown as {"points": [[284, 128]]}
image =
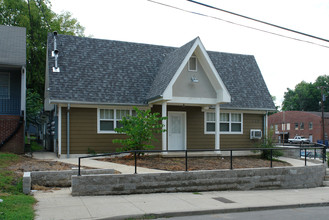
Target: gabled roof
{"points": [[12, 46], [170, 65], [113, 72]]}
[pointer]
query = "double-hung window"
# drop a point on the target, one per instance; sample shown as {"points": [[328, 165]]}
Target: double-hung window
{"points": [[109, 119], [4, 85], [230, 123]]}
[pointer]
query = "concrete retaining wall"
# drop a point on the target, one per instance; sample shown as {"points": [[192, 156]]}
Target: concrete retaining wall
{"points": [[241, 179], [56, 178]]}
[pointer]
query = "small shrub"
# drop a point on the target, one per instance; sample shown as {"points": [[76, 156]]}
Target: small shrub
{"points": [[268, 142], [91, 151]]}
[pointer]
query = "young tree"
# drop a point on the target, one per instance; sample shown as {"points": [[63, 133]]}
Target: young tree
{"points": [[140, 130]]}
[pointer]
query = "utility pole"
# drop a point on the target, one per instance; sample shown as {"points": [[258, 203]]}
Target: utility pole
{"points": [[322, 100], [323, 136]]}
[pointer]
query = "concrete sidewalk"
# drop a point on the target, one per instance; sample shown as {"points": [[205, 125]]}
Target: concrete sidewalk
{"points": [[125, 169], [91, 162], [59, 204]]}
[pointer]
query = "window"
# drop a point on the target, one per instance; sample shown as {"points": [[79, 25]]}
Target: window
{"points": [[192, 64], [283, 127], [276, 128], [296, 126], [4, 85], [288, 126], [229, 123], [310, 126], [109, 119], [302, 126]]}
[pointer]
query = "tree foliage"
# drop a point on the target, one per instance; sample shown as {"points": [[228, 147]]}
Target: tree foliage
{"points": [[140, 130], [38, 19], [306, 96], [33, 106]]}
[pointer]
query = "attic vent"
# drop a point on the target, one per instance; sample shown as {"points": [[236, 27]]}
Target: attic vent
{"points": [[55, 54]]}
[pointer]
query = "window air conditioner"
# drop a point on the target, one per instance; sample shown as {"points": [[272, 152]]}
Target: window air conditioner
{"points": [[255, 134]]}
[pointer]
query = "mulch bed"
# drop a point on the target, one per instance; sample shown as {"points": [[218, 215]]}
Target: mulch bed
{"points": [[196, 163]]}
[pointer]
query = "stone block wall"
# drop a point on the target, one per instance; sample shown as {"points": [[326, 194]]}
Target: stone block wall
{"points": [[56, 178], [195, 181]]}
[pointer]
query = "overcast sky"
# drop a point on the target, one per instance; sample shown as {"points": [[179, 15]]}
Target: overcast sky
{"points": [[283, 62]]}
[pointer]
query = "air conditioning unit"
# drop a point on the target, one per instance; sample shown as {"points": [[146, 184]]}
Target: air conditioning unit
{"points": [[255, 134]]}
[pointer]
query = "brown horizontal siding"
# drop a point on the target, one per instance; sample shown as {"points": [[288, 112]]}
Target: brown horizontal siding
{"points": [[83, 131]]}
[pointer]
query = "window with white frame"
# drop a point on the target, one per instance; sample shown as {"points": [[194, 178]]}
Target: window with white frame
{"points": [[109, 119], [192, 64], [4, 85], [310, 125], [229, 123]]}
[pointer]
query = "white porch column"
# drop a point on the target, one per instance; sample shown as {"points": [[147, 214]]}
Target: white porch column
{"points": [[217, 147], [164, 123]]}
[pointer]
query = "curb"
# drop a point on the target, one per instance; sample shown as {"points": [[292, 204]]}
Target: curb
{"points": [[214, 211]]}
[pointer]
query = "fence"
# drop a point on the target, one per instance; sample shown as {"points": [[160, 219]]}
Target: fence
{"points": [[136, 152]]}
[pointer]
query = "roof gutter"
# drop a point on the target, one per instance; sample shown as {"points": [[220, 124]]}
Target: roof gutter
{"points": [[253, 109], [93, 103]]}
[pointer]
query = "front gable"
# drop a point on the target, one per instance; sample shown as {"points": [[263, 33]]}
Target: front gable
{"points": [[193, 83], [199, 85]]}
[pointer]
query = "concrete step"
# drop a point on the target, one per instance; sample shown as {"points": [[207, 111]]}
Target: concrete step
{"points": [[325, 183]]}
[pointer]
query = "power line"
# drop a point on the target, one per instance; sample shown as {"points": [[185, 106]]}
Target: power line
{"points": [[263, 22], [231, 22]]}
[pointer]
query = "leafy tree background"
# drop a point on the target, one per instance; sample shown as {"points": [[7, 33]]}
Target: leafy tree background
{"points": [[306, 96], [38, 19]]}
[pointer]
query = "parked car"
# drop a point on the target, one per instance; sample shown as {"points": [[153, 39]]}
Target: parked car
{"points": [[298, 139]]}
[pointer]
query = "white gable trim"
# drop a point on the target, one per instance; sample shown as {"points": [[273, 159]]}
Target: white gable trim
{"points": [[223, 96]]}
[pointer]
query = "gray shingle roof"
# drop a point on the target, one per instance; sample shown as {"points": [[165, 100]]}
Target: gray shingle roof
{"points": [[12, 45], [115, 72]]}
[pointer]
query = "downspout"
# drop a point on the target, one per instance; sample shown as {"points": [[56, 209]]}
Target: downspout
{"points": [[68, 131]]}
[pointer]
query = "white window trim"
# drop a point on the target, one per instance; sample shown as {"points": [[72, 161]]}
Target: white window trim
{"points": [[8, 74], [230, 122], [196, 64], [99, 131]]}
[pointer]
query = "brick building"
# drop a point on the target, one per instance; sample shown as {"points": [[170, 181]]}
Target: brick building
{"points": [[12, 88], [288, 124]]}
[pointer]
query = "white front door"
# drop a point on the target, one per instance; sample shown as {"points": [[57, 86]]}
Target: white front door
{"points": [[176, 130]]}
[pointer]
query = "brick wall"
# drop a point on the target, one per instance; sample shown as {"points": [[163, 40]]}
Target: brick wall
{"points": [[293, 117], [8, 124]]}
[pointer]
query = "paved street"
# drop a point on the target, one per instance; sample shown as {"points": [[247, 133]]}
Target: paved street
{"points": [[318, 213]]}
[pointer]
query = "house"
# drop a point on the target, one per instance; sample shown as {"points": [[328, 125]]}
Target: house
{"points": [[288, 124], [212, 100], [12, 88]]}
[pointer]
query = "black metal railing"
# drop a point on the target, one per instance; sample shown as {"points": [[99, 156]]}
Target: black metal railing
{"points": [[136, 152]]}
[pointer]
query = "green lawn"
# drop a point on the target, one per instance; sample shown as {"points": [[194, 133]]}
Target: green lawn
{"points": [[15, 204]]}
